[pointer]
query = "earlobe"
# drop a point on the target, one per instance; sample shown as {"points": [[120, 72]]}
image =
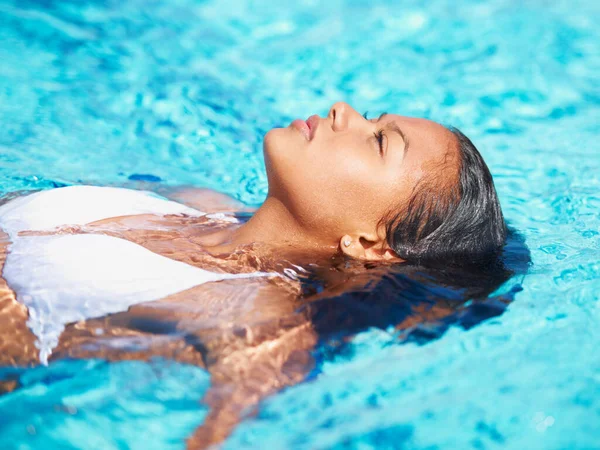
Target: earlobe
{"points": [[350, 246], [361, 247]]}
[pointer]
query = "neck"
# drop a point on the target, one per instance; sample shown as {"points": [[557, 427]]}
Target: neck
{"points": [[274, 228]]}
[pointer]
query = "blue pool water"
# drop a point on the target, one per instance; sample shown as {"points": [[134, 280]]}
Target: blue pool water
{"points": [[170, 92]]}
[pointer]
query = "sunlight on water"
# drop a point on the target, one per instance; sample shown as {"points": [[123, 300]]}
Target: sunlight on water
{"points": [[83, 404], [181, 92]]}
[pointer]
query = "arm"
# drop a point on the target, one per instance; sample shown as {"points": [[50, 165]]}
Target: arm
{"points": [[245, 332], [246, 376]]}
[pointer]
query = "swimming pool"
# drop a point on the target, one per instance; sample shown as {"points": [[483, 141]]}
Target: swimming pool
{"points": [[181, 92]]}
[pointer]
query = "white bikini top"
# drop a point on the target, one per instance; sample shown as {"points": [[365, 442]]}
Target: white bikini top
{"points": [[67, 278]]}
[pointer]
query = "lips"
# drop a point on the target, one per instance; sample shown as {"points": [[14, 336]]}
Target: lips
{"points": [[303, 127], [308, 127], [313, 123]]}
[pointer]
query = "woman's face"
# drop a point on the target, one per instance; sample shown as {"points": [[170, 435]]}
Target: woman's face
{"points": [[339, 175]]}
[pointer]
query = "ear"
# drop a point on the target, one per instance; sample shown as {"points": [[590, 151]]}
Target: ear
{"points": [[367, 247]]}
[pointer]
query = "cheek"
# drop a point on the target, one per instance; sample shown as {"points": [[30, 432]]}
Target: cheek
{"points": [[350, 193], [324, 185], [369, 189], [349, 173]]}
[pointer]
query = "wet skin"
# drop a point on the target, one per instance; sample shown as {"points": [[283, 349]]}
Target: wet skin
{"points": [[244, 332], [252, 335], [352, 171]]}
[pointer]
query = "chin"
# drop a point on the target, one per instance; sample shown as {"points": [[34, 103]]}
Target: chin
{"points": [[281, 154], [271, 139], [281, 143], [272, 143]]}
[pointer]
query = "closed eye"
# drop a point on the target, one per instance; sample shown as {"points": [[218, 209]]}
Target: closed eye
{"points": [[380, 136]]}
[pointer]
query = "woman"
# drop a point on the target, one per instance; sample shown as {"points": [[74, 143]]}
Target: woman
{"points": [[389, 190]]}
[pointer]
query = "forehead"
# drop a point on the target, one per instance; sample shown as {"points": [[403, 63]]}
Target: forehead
{"points": [[428, 141], [424, 135]]}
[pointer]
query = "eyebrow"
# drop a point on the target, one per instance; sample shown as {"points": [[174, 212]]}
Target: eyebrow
{"points": [[393, 126]]}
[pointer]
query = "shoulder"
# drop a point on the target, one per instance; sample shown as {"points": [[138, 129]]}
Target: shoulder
{"points": [[80, 205], [205, 199]]}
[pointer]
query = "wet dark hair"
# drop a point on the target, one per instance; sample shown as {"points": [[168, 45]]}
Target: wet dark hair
{"points": [[463, 265], [457, 224], [419, 303]]}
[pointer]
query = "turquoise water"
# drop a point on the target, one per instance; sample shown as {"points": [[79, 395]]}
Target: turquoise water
{"points": [[98, 405], [181, 92]]}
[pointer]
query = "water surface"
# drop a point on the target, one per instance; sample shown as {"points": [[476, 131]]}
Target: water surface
{"points": [[148, 94]]}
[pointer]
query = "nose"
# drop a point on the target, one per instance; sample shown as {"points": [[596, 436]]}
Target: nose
{"points": [[341, 114]]}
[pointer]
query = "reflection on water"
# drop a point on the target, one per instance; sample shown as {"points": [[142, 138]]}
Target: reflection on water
{"points": [[256, 336], [103, 92], [415, 304]]}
